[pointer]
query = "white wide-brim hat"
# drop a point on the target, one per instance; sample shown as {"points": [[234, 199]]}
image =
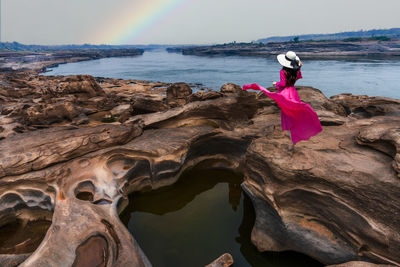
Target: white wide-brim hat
{"points": [[290, 60]]}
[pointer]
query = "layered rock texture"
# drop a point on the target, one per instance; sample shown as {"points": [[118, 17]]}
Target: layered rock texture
{"points": [[72, 149]]}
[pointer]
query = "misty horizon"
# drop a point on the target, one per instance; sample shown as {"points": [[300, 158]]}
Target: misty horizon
{"points": [[188, 44], [184, 22]]}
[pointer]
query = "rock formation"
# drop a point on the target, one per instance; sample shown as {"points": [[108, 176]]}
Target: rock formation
{"points": [[335, 197], [224, 260]]}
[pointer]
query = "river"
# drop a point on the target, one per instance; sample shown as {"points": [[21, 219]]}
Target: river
{"points": [[373, 77]]}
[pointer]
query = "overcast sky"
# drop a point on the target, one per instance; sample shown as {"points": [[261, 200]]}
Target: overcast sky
{"points": [[189, 22]]}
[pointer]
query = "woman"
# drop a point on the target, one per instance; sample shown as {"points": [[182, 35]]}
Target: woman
{"points": [[296, 116]]}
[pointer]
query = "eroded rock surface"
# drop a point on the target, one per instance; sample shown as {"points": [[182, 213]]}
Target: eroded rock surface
{"points": [[335, 197], [177, 94]]}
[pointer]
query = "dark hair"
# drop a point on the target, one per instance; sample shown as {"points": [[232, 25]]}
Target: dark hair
{"points": [[291, 75]]}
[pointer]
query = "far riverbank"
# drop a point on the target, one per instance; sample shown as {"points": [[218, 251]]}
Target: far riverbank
{"points": [[11, 61], [336, 49]]}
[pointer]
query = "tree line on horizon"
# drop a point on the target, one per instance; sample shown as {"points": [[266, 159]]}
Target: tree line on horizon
{"points": [[380, 34]]}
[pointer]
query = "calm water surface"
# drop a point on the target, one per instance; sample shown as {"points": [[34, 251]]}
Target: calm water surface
{"points": [[370, 77], [193, 222]]}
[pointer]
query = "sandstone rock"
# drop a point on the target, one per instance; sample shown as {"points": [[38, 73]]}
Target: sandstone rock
{"points": [[231, 88], [12, 260], [202, 96], [9, 127], [44, 114], [302, 198], [38, 100], [223, 261], [118, 110], [147, 104], [383, 135], [214, 112], [124, 116], [46, 147], [100, 103], [177, 94], [81, 119], [79, 85], [328, 118], [334, 197], [363, 106]]}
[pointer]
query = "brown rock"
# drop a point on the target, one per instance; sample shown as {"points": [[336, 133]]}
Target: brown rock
{"points": [[223, 261], [325, 198], [12, 260], [124, 116], [202, 96], [49, 146], [45, 100], [383, 134], [363, 106], [81, 119], [147, 104], [118, 110], [177, 94], [45, 114], [79, 85], [92, 252], [231, 88], [222, 112], [334, 197]]}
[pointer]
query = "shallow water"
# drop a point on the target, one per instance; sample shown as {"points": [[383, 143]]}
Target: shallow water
{"points": [[374, 77], [196, 220], [22, 236]]}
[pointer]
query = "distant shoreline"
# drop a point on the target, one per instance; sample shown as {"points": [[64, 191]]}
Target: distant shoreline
{"points": [[337, 49], [14, 61], [40, 61]]}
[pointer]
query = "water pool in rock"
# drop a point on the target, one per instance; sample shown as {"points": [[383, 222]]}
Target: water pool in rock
{"points": [[22, 235], [196, 220]]}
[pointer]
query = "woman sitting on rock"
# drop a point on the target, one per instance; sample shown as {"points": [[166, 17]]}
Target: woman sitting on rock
{"points": [[296, 116]]}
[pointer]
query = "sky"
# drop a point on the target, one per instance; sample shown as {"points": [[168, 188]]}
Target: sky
{"points": [[186, 21]]}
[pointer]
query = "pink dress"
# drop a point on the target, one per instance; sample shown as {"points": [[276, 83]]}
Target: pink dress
{"points": [[296, 116]]}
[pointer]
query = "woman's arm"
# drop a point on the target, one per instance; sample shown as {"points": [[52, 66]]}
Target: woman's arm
{"points": [[299, 76], [281, 85]]}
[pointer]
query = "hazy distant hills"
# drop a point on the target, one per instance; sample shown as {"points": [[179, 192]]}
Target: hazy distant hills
{"points": [[391, 33]]}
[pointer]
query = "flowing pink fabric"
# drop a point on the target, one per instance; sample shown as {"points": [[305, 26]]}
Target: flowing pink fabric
{"points": [[296, 116]]}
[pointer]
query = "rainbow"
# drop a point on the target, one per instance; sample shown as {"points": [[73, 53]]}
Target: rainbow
{"points": [[133, 20]]}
